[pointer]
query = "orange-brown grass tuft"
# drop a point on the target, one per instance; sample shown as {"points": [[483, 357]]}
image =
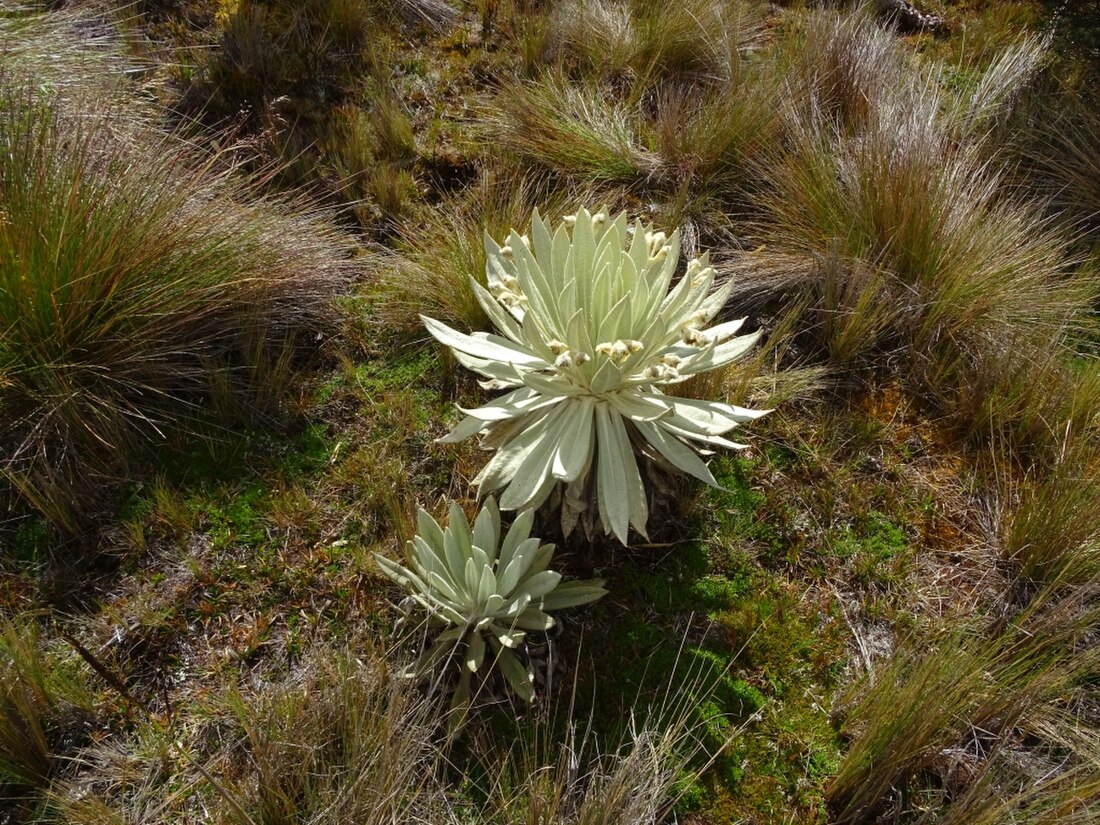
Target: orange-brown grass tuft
{"points": [[144, 288]]}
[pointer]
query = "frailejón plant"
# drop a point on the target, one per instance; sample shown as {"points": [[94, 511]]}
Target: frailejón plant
{"points": [[483, 593], [589, 333]]}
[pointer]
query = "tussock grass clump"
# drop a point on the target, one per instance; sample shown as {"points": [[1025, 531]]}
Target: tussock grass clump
{"points": [[574, 129], [690, 146], [1051, 533], [1070, 797], [839, 68], [1065, 153], [708, 143], [658, 99], [373, 153], [144, 287], [1077, 30], [76, 50], [343, 739], [963, 699], [640, 783], [902, 238], [697, 40], [958, 262], [284, 60], [344, 742], [373, 150], [559, 770], [284, 70], [983, 111]]}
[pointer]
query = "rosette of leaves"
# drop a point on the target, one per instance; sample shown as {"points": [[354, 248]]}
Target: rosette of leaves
{"points": [[590, 328], [484, 594]]}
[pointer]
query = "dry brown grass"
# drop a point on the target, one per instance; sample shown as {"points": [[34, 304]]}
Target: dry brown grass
{"points": [[967, 695]]}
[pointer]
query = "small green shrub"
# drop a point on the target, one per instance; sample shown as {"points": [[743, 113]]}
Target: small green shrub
{"points": [[284, 60]]}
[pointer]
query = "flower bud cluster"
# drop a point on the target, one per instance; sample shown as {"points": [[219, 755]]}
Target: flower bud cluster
{"points": [[508, 291], [659, 250], [664, 370], [618, 350], [566, 357], [698, 273], [508, 253], [691, 330]]}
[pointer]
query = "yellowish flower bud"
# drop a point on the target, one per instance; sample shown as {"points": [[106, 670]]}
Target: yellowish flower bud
{"points": [[695, 337], [700, 278]]}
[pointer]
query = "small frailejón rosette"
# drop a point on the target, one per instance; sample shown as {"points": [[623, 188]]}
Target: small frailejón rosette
{"points": [[481, 594], [592, 324]]}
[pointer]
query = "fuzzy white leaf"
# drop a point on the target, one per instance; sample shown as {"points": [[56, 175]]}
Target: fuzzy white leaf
{"points": [[428, 529], [614, 498], [518, 678], [573, 594], [475, 651], [541, 583], [486, 534], [517, 566], [534, 619], [503, 374], [518, 533], [501, 319], [574, 450], [490, 347], [678, 454]]}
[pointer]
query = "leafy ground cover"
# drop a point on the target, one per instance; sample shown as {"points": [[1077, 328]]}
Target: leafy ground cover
{"points": [[885, 612]]}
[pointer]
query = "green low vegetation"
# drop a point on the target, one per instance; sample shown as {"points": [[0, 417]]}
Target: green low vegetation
{"points": [[222, 418]]}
